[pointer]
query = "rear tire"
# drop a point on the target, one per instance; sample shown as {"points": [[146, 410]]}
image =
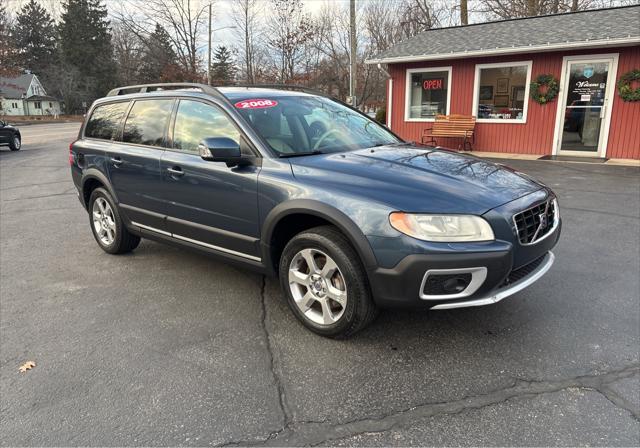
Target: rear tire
{"points": [[107, 225], [333, 297], [16, 143]]}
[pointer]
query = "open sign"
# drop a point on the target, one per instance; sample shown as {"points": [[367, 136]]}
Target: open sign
{"points": [[256, 104], [433, 84]]}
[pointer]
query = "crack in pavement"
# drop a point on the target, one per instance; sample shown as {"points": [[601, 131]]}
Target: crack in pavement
{"points": [[282, 400], [314, 433], [66, 193], [319, 433], [619, 401], [601, 212], [13, 187]]}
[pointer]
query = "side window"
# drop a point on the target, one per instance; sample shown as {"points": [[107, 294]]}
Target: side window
{"points": [[105, 121], [196, 121], [147, 122]]}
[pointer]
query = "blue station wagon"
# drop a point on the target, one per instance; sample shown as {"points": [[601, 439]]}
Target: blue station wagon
{"points": [[298, 185]]}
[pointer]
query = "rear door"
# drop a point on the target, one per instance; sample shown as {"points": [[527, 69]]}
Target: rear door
{"points": [[134, 162], [209, 203]]}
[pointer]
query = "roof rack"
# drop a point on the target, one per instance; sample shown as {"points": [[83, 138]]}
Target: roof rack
{"points": [[145, 88], [293, 87]]}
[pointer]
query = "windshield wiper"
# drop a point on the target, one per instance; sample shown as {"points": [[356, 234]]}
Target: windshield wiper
{"points": [[299, 154], [390, 144]]}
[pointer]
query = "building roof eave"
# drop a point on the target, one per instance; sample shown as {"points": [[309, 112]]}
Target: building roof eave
{"points": [[603, 43]]}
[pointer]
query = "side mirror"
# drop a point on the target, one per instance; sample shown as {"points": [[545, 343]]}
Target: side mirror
{"points": [[2, 124], [220, 149]]}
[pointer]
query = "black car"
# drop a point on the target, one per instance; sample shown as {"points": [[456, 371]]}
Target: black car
{"points": [[301, 186], [10, 136]]}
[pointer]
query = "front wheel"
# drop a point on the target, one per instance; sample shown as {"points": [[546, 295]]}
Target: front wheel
{"points": [[325, 283], [107, 225], [16, 143]]}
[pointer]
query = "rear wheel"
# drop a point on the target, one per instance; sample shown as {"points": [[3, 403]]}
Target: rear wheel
{"points": [[325, 283], [107, 225], [16, 143]]}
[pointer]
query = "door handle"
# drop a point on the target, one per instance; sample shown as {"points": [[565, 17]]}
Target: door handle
{"points": [[117, 161], [176, 171]]}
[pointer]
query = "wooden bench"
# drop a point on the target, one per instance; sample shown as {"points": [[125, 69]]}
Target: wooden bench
{"points": [[452, 126]]}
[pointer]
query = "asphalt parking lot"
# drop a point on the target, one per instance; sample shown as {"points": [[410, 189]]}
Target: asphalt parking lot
{"points": [[167, 347]]}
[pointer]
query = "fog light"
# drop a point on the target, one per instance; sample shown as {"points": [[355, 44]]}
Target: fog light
{"points": [[446, 284], [455, 285]]}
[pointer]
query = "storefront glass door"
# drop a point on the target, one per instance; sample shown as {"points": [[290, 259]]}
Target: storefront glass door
{"points": [[586, 101]]}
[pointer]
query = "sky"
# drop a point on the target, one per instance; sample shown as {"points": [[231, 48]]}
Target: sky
{"points": [[222, 10], [221, 15]]}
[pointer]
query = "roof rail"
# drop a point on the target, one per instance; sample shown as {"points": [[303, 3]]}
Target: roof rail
{"points": [[293, 87], [145, 88]]}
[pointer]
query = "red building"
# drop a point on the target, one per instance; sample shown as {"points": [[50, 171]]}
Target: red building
{"points": [[486, 70]]}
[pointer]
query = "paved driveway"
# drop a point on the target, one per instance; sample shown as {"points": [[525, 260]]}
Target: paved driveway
{"points": [[167, 347]]}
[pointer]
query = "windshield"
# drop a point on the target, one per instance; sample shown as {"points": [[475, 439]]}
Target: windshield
{"points": [[293, 125]]}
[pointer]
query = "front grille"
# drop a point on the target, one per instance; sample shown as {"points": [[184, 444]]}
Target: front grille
{"points": [[520, 273], [441, 284], [535, 222]]}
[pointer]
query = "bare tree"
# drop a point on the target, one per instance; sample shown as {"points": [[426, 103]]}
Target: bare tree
{"points": [[421, 15], [290, 28], [127, 51], [383, 23], [245, 16], [183, 20], [508, 9]]}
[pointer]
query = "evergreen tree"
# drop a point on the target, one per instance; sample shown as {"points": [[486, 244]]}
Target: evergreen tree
{"points": [[223, 70], [34, 36], [85, 45], [159, 61], [8, 63]]}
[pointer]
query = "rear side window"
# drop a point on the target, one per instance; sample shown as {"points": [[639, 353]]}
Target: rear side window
{"points": [[105, 121], [147, 122], [196, 121]]}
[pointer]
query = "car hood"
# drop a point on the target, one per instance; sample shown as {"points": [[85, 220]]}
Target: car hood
{"points": [[417, 179]]}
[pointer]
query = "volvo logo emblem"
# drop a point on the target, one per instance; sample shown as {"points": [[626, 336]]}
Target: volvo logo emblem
{"points": [[544, 222]]}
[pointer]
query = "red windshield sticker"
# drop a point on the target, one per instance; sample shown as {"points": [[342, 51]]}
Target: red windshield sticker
{"points": [[256, 104]]}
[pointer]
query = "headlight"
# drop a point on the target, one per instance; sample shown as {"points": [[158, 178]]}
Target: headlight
{"points": [[442, 228]]}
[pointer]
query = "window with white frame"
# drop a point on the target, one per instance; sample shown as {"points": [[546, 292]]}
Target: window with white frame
{"points": [[38, 105], [427, 93], [502, 91]]}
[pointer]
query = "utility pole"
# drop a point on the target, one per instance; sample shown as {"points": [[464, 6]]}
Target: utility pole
{"points": [[464, 13], [209, 51], [353, 53]]}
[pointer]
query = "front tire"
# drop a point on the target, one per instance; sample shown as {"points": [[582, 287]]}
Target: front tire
{"points": [[325, 283], [16, 143], [107, 225]]}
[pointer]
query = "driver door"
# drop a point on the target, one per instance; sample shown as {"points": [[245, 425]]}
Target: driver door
{"points": [[5, 133], [209, 203]]}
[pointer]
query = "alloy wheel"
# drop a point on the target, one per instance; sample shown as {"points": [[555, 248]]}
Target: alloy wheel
{"points": [[16, 142], [318, 287], [103, 221]]}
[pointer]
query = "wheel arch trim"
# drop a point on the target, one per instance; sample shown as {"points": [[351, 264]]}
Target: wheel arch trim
{"points": [[95, 174], [321, 210]]}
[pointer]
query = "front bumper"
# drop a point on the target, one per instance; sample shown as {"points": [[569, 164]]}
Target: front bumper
{"points": [[503, 293], [403, 284]]}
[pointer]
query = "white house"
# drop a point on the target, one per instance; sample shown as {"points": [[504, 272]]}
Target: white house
{"points": [[24, 95]]}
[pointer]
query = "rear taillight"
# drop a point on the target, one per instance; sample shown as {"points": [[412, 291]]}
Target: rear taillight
{"points": [[71, 156]]}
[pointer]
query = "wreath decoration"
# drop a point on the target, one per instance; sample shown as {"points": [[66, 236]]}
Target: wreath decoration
{"points": [[552, 89], [625, 86]]}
